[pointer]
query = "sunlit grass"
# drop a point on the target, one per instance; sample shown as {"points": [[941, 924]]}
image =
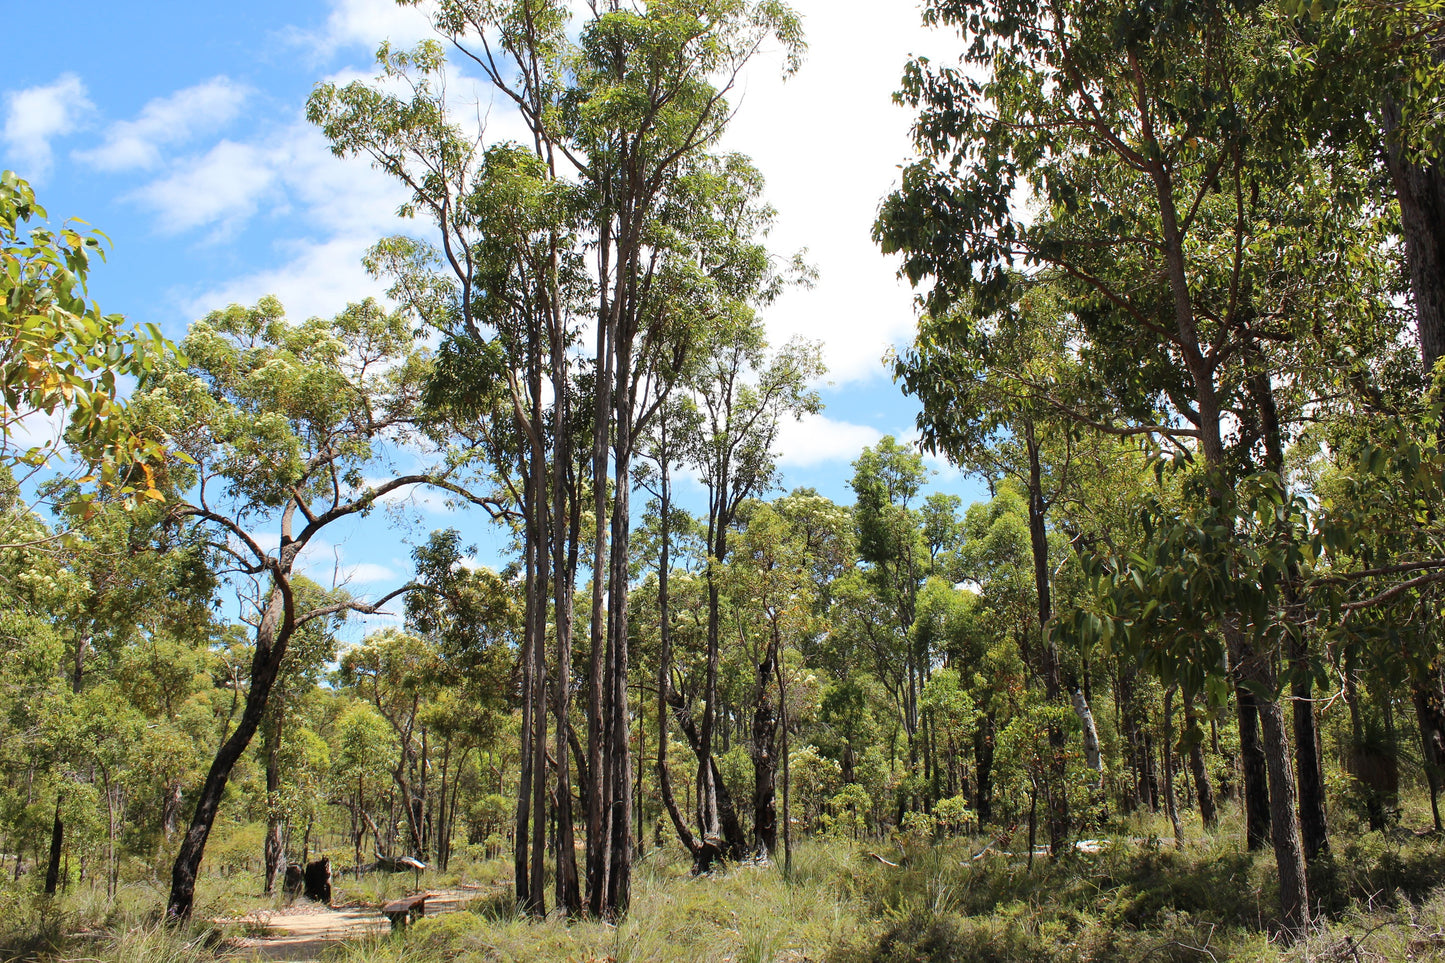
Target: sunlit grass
{"points": [[1379, 898]]}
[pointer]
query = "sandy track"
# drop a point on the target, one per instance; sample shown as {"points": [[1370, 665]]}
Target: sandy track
{"points": [[301, 932]]}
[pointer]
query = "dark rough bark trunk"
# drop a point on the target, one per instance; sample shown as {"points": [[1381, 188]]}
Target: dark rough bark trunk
{"points": [[57, 846], [522, 836], [765, 757], [618, 872], [1254, 776], [983, 745], [1056, 788], [1420, 191], [1171, 801], [1314, 829], [272, 635], [787, 771], [1430, 715], [565, 546], [597, 628], [274, 856], [538, 536], [1289, 853], [1203, 790]]}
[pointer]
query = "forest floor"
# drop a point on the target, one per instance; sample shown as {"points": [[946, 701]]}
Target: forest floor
{"points": [[1378, 898], [305, 930]]}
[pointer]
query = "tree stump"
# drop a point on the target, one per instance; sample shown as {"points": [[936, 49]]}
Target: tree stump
{"points": [[318, 880], [292, 883]]}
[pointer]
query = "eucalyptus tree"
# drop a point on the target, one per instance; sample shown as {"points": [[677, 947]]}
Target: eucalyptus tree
{"points": [[471, 618], [1138, 131], [665, 447], [1388, 107], [279, 423], [126, 576], [309, 650], [617, 113], [398, 672], [743, 396], [769, 579], [1002, 400], [887, 478], [62, 359]]}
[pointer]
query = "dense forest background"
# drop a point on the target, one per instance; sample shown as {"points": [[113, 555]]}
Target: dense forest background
{"points": [[1179, 272]]}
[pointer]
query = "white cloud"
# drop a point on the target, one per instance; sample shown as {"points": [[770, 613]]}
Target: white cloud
{"points": [[221, 188], [136, 143], [37, 115], [316, 279], [366, 23], [365, 573], [830, 141], [817, 438]]}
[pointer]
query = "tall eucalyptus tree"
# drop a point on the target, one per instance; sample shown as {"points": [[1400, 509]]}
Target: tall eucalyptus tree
{"points": [[620, 112]]}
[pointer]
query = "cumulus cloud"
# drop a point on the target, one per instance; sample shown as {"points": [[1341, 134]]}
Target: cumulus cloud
{"points": [[365, 23], [219, 188], [37, 115], [830, 141], [315, 279], [817, 438], [365, 573], [137, 143], [288, 172]]}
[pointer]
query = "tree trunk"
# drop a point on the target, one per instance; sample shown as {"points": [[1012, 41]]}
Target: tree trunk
{"points": [[1314, 831], [1093, 758], [57, 846], [1313, 825], [787, 774], [1420, 191], [521, 836], [597, 628], [983, 743], [764, 753], [1430, 714], [1288, 852], [1254, 775], [272, 634], [1203, 789], [275, 855], [1057, 789], [1171, 802], [1289, 856]]}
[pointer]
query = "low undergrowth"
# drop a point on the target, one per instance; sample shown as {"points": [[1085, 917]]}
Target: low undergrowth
{"points": [[1378, 898]]}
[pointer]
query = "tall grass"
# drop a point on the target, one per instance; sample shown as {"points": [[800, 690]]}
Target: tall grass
{"points": [[1379, 898]]}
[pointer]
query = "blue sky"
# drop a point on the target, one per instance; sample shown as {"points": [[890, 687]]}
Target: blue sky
{"points": [[177, 128]]}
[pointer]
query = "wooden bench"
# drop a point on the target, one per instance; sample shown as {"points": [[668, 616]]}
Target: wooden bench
{"points": [[404, 911]]}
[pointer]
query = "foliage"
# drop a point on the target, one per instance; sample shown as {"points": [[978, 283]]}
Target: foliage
{"points": [[61, 356]]}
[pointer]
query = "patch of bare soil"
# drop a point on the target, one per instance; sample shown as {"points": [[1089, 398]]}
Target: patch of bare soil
{"points": [[301, 932]]}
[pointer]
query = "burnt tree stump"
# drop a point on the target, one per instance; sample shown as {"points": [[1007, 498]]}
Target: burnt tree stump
{"points": [[318, 880]]}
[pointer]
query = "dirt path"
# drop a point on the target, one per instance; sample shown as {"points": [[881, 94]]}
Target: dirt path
{"points": [[301, 932]]}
